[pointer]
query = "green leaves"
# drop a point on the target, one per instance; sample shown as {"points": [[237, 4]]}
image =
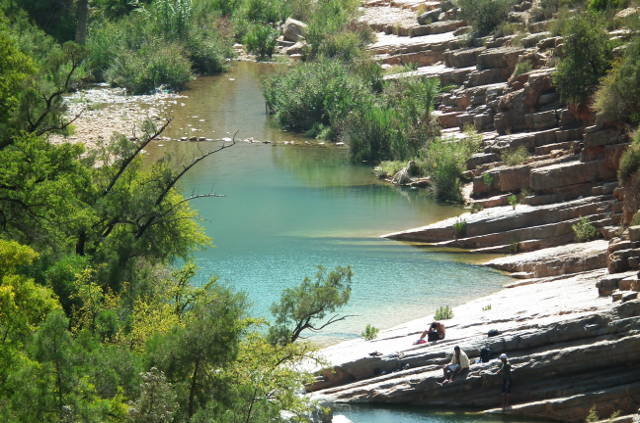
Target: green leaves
{"points": [[586, 57], [305, 307]]}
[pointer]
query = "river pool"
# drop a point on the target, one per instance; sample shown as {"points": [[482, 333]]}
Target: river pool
{"points": [[288, 208]]}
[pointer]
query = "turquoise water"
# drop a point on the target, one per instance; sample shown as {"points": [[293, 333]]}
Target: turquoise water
{"points": [[404, 414], [289, 208]]}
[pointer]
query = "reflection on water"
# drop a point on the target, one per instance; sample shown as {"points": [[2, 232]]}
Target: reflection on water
{"points": [[405, 414], [289, 208]]}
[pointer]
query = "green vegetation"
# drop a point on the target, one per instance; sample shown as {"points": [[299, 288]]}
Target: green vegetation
{"points": [[305, 306], [515, 157], [443, 313], [387, 169], [488, 179], [98, 325], [630, 161], [395, 125], [486, 308], [586, 57], [460, 228], [513, 201], [604, 5], [330, 99], [445, 160], [484, 15], [370, 333], [617, 97], [523, 67], [584, 230]]}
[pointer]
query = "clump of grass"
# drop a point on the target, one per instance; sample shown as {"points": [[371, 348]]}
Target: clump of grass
{"points": [[584, 230], [523, 67], [445, 160], [485, 16], [443, 313], [487, 307], [388, 168], [515, 157], [488, 179], [370, 332], [513, 201], [476, 207], [460, 228]]}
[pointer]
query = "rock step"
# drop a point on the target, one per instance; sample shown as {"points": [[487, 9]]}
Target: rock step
{"points": [[554, 261], [524, 239], [572, 408], [503, 219]]}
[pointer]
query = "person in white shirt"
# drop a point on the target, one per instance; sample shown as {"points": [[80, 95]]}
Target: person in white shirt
{"points": [[459, 362]]}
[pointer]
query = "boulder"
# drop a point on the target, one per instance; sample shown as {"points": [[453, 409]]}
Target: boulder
{"points": [[634, 233], [296, 48], [463, 58], [502, 57], [293, 30]]}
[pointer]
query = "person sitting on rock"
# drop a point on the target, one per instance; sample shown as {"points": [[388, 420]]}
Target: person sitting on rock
{"points": [[505, 371], [435, 332], [459, 363]]}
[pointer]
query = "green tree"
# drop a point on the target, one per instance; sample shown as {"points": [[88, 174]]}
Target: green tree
{"points": [[485, 15], [208, 340], [617, 96], [586, 57], [157, 401], [305, 307]]}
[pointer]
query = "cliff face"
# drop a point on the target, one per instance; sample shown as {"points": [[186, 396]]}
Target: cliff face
{"points": [[572, 325]]}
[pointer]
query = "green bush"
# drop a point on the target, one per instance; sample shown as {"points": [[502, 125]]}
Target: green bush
{"points": [[523, 67], [485, 15], [460, 228], [150, 67], [388, 168], [602, 5], [515, 157], [617, 97], [370, 333], [443, 313], [445, 160], [261, 40], [313, 95], [396, 126], [586, 57], [148, 36], [513, 200], [584, 230], [630, 161]]}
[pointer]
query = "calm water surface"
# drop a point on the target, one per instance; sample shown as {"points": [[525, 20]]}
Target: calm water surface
{"points": [[289, 208]]}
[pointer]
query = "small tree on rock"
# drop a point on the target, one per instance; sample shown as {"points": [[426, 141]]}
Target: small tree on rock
{"points": [[306, 306]]}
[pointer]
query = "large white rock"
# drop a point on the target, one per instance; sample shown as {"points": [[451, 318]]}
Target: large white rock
{"points": [[293, 30]]}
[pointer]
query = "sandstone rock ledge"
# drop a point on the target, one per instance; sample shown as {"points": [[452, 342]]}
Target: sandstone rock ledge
{"points": [[572, 350]]}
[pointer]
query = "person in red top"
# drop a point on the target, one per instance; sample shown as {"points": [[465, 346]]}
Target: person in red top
{"points": [[435, 332]]}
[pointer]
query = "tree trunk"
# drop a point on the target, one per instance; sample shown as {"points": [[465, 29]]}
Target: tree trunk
{"points": [[82, 21]]}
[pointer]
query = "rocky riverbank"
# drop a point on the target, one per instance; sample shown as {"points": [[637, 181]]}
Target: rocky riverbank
{"points": [[571, 322]]}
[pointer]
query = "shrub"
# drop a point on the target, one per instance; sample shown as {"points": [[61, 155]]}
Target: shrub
{"points": [[445, 161], [485, 15], [513, 200], [388, 168], [443, 313], [586, 57], [370, 332], [460, 228], [486, 308], [630, 161], [261, 40], [601, 5], [515, 157], [488, 179], [150, 67], [313, 95], [523, 67], [396, 126], [584, 230], [617, 97]]}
